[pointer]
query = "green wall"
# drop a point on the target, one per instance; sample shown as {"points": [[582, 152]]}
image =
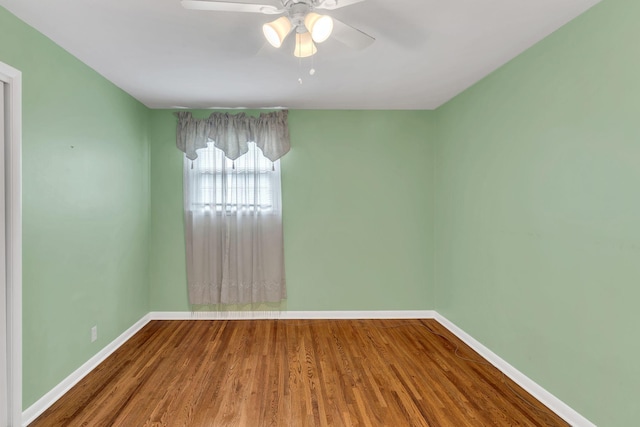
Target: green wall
{"points": [[538, 213], [513, 210], [357, 207], [85, 207]]}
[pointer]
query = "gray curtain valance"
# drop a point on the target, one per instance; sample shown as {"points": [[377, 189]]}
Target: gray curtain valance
{"points": [[232, 132]]}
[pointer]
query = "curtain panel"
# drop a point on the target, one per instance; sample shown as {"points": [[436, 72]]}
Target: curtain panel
{"points": [[232, 208]]}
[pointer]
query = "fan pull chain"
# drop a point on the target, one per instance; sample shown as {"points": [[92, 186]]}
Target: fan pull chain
{"points": [[312, 71], [299, 66], [273, 167]]}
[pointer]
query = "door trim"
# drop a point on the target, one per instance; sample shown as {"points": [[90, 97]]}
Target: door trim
{"points": [[13, 197]]}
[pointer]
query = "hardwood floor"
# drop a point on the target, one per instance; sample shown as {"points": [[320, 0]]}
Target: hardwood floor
{"points": [[296, 373]]}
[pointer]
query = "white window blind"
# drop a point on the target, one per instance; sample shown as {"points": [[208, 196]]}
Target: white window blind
{"points": [[246, 184]]}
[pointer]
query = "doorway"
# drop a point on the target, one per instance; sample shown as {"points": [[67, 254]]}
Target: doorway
{"points": [[10, 247]]}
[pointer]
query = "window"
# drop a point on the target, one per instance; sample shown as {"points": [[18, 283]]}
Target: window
{"points": [[243, 185], [232, 209]]}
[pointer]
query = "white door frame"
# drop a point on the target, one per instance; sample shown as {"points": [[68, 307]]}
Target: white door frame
{"points": [[12, 79]]}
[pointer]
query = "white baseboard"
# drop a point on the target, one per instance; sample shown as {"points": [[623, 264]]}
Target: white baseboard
{"points": [[34, 411], [556, 405], [291, 315]]}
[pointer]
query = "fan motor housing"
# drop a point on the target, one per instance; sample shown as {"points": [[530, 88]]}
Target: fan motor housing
{"points": [[297, 12]]}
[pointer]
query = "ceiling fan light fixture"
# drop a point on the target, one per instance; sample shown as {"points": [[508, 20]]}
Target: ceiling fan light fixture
{"points": [[320, 26], [276, 31], [304, 45]]}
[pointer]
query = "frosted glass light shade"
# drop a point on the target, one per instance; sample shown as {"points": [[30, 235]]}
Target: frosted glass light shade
{"points": [[276, 31], [304, 45], [320, 26]]}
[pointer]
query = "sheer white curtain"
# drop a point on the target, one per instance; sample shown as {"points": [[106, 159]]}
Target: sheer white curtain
{"points": [[233, 227]]}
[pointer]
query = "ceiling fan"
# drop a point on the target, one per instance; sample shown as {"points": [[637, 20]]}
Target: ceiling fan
{"points": [[299, 17]]}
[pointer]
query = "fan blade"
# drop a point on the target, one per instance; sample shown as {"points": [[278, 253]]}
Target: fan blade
{"points": [[227, 6], [350, 36], [336, 4]]}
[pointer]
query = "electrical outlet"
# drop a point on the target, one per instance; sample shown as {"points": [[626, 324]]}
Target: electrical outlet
{"points": [[94, 333]]}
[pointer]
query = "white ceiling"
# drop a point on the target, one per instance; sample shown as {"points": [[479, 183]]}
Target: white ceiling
{"points": [[426, 51]]}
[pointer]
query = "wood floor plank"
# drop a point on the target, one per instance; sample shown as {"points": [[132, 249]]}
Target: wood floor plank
{"points": [[324, 373]]}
